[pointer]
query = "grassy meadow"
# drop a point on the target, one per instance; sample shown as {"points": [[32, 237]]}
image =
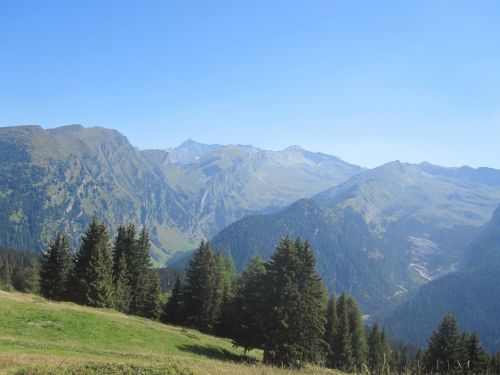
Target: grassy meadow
{"points": [[38, 337]]}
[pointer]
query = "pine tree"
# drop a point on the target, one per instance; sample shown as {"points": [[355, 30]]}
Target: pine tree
{"points": [[477, 358], [93, 272], [173, 309], [200, 293], [139, 267], [331, 331], [152, 305], [55, 267], [27, 279], [345, 357], [121, 287], [225, 320], [358, 338], [248, 331], [444, 347], [123, 250], [379, 352], [295, 323]]}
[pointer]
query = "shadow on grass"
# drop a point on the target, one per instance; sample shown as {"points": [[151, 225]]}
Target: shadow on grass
{"points": [[216, 353]]}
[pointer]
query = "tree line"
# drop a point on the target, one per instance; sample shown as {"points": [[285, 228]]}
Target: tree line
{"points": [[116, 276], [279, 306]]}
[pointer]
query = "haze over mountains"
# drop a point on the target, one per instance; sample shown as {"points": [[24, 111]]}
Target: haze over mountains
{"points": [[380, 233], [58, 178]]}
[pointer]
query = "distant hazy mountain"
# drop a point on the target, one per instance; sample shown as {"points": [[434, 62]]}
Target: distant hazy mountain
{"points": [[221, 184], [471, 294], [380, 233], [58, 178]]}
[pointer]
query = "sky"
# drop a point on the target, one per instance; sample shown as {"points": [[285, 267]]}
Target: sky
{"points": [[368, 81]]}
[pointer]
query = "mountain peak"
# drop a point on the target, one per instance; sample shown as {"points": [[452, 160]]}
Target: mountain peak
{"points": [[294, 148]]}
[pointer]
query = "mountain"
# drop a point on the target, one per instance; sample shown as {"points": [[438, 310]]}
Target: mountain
{"points": [[470, 294], [378, 235], [58, 178], [222, 184]]}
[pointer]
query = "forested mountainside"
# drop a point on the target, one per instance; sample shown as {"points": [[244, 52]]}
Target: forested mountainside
{"points": [[59, 178], [471, 294], [382, 232]]}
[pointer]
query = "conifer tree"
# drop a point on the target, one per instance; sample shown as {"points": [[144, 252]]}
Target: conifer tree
{"points": [[249, 307], [358, 338], [173, 309], [139, 267], [477, 358], [201, 305], [55, 267], [152, 305], [379, 353], [27, 279], [444, 347], [93, 275], [123, 250], [331, 332], [295, 322], [121, 287], [344, 356]]}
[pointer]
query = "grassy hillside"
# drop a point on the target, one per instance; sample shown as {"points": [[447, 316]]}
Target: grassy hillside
{"points": [[36, 332]]}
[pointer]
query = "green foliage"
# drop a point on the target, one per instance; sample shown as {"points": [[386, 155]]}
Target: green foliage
{"points": [[379, 351], [295, 317], [344, 358], [249, 307], [331, 328], [444, 350], [201, 296], [152, 304], [93, 275], [55, 268], [19, 270], [173, 311]]}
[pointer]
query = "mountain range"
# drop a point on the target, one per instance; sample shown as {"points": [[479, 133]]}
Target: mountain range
{"points": [[470, 293], [378, 234], [56, 179], [382, 233]]}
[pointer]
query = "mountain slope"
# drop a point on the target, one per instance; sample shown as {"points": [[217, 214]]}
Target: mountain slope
{"points": [[378, 235], [221, 184], [58, 178], [471, 294]]}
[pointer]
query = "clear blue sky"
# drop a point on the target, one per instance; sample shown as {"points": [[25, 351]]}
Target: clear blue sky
{"points": [[369, 81]]}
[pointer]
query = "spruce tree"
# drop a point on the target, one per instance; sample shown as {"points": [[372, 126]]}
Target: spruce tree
{"points": [[344, 356], [152, 305], [250, 309], [122, 287], [55, 267], [331, 331], [139, 267], [123, 250], [379, 352], [200, 300], [444, 347], [477, 358], [358, 338], [295, 322], [173, 309], [93, 271]]}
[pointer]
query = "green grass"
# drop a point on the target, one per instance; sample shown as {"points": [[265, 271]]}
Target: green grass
{"points": [[63, 338]]}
